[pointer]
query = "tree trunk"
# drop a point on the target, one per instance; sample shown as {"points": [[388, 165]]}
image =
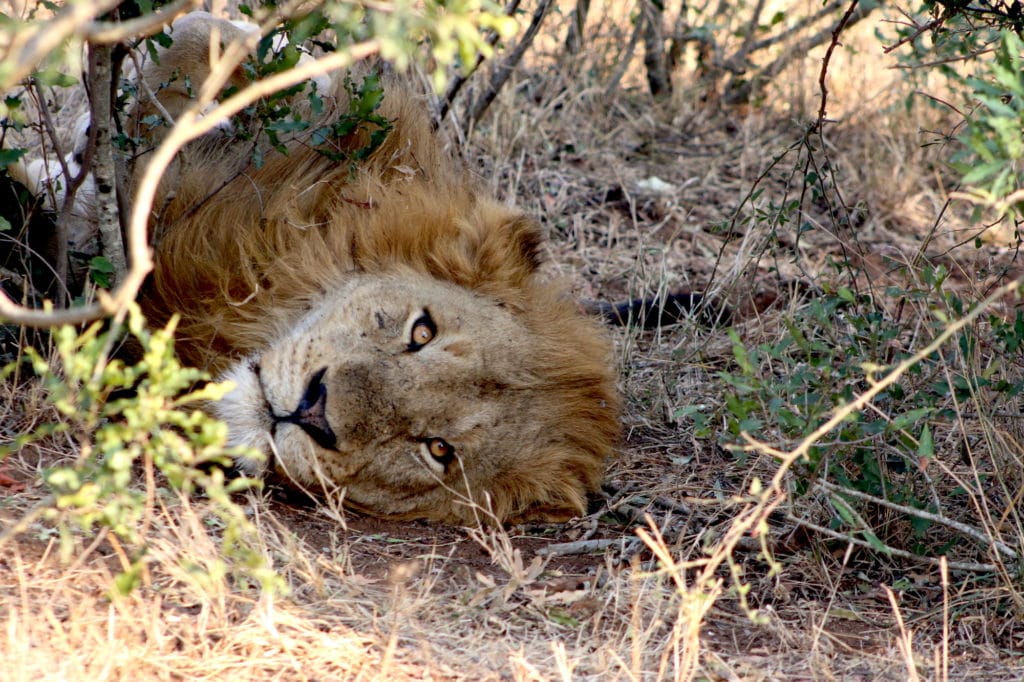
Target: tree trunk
{"points": [[574, 40], [658, 78]]}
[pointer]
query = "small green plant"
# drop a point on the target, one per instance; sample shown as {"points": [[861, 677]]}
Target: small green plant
{"points": [[879, 460], [137, 428], [992, 160]]}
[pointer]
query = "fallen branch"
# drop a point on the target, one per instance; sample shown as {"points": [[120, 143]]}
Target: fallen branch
{"points": [[962, 528], [582, 547], [903, 554]]}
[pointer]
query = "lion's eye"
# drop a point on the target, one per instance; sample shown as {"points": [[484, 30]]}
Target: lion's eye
{"points": [[422, 332], [440, 449]]}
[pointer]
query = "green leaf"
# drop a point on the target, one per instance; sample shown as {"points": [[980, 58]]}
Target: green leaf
{"points": [[54, 78], [9, 156], [875, 543], [101, 271], [925, 445]]}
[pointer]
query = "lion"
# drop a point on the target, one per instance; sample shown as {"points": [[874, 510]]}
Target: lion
{"points": [[383, 321]]}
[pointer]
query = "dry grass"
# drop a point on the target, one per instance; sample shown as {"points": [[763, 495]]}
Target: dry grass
{"points": [[373, 600]]}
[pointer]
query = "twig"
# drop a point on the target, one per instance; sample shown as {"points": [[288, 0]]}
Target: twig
{"points": [[918, 30], [962, 528], [903, 554], [503, 70], [109, 33], [823, 74], [31, 45], [460, 79], [948, 60], [71, 185], [742, 92], [795, 28]]}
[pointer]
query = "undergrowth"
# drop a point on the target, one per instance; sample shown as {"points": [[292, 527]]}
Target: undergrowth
{"points": [[131, 421]]}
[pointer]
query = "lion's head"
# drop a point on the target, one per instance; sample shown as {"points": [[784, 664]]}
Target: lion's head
{"points": [[417, 397]]}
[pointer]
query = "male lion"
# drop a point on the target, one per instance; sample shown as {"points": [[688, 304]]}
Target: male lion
{"points": [[382, 320]]}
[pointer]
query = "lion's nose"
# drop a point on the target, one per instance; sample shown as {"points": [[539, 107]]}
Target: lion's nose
{"points": [[311, 414]]}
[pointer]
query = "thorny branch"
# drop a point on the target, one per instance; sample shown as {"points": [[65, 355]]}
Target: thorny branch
{"points": [[823, 74], [504, 69], [460, 79]]}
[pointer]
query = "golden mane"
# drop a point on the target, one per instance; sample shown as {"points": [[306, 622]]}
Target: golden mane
{"points": [[238, 245], [300, 277]]}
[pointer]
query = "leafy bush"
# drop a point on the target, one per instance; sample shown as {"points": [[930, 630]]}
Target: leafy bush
{"points": [[135, 424], [992, 161]]}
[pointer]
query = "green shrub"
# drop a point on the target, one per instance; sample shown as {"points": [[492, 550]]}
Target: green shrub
{"points": [[137, 427]]}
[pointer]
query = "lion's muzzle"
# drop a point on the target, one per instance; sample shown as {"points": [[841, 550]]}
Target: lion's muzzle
{"points": [[311, 413]]}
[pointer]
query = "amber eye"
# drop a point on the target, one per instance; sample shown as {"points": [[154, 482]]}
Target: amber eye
{"points": [[440, 449], [423, 332]]}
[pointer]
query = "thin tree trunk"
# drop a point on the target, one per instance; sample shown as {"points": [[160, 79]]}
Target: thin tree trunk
{"points": [[574, 40], [658, 79], [104, 169]]}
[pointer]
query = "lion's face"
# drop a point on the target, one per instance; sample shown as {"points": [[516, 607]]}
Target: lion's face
{"points": [[416, 396]]}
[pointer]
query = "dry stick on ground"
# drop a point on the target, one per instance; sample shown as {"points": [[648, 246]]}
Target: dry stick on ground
{"points": [[581, 547], [962, 528], [503, 70]]}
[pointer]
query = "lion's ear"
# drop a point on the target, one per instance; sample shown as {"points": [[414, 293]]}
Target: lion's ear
{"points": [[504, 246]]}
